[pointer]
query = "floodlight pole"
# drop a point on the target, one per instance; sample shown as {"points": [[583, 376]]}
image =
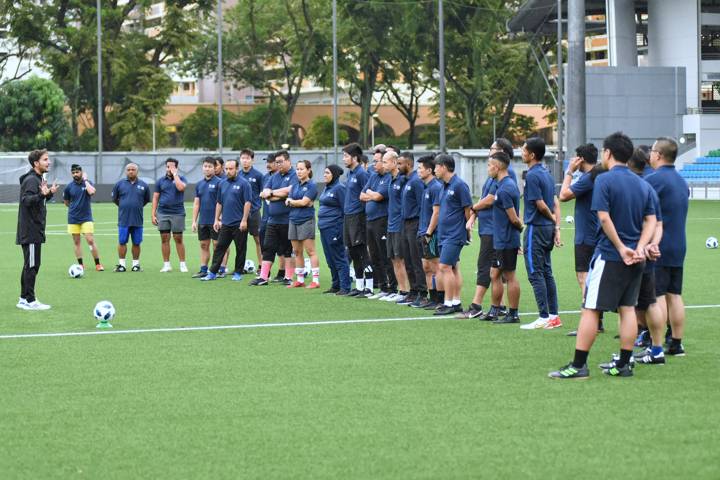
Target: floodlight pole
{"points": [[334, 80], [220, 76], [560, 126], [441, 68], [99, 125]]}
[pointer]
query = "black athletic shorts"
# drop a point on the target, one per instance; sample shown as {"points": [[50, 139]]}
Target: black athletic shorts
{"points": [[206, 232], [354, 229], [486, 259], [612, 284], [276, 242], [394, 245], [646, 297], [429, 246], [583, 255], [668, 280], [254, 224], [506, 259]]}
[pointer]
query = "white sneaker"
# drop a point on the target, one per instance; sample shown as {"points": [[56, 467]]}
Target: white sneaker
{"points": [[399, 297], [378, 295], [165, 269], [183, 268], [22, 303], [37, 306], [539, 323]]}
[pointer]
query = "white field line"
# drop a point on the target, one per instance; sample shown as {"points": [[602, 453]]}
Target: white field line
{"points": [[264, 325]]}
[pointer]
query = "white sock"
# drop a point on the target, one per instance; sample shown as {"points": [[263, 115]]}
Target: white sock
{"points": [[316, 275], [553, 316], [166, 265], [369, 284], [448, 303], [456, 302], [300, 275], [182, 264], [135, 262], [121, 262], [359, 284]]}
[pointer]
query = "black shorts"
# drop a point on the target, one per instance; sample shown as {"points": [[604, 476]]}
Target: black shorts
{"points": [[394, 245], [612, 284], [506, 259], [486, 259], [206, 232], [354, 229], [429, 246], [583, 255], [276, 242], [668, 280], [254, 224], [646, 297]]}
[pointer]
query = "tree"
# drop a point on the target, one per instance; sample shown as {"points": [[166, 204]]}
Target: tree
{"points": [[135, 53], [320, 133], [200, 129], [31, 116]]}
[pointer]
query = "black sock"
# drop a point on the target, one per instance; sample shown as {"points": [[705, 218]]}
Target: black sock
{"points": [[624, 358], [580, 358], [513, 312], [475, 306], [441, 296], [79, 261], [433, 295], [281, 273], [675, 342], [97, 261]]}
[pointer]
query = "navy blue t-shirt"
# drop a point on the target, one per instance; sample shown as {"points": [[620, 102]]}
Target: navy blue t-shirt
{"points": [[278, 211], [627, 198], [432, 191], [206, 191], [171, 199], [265, 203], [355, 182], [332, 201], [673, 192], [255, 179], [79, 210], [586, 221], [451, 222], [232, 195], [395, 203], [649, 264], [539, 185], [378, 184], [507, 195], [130, 198], [412, 196], [485, 216], [299, 215]]}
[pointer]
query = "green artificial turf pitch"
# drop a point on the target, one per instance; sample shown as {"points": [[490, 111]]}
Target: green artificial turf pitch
{"points": [[431, 398]]}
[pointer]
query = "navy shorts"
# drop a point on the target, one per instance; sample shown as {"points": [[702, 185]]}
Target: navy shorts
{"points": [[124, 233], [450, 253]]}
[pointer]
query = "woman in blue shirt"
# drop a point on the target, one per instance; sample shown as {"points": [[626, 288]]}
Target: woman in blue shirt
{"points": [[301, 231], [330, 221]]}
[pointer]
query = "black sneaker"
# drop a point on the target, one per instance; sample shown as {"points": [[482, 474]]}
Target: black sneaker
{"points": [[364, 293], [647, 358], [445, 310], [286, 282], [407, 300], [491, 315], [613, 362], [258, 282], [343, 293], [136, 268], [430, 305], [643, 339], [419, 302], [331, 291], [278, 279], [568, 372], [200, 274], [354, 292], [119, 269], [222, 274], [572, 333], [678, 351], [615, 371], [473, 311], [508, 318]]}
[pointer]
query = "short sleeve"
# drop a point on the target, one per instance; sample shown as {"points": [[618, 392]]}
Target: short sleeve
{"points": [[503, 199], [533, 190], [650, 202], [465, 197], [311, 191], [158, 187], [436, 194], [382, 188], [583, 186], [146, 194], [197, 190], [247, 192], [601, 195], [66, 193], [114, 192]]}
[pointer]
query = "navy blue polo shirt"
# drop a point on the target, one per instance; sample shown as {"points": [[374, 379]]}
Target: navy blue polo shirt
{"points": [[432, 191], [171, 199], [485, 216], [673, 192], [650, 265], [255, 179], [378, 184], [266, 204], [355, 182], [206, 191], [586, 221], [412, 196], [130, 198], [279, 213], [627, 198], [647, 171], [332, 201], [79, 210], [539, 185], [451, 222], [507, 195], [395, 218], [299, 215], [232, 195]]}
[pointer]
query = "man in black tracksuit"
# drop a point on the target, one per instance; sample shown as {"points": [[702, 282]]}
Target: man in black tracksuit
{"points": [[34, 192]]}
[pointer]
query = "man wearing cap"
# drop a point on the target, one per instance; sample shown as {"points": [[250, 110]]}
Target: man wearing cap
{"points": [[76, 197]]}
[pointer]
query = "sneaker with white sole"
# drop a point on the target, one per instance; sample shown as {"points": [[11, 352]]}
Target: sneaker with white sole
{"points": [[22, 304], [36, 306], [539, 323], [183, 268], [166, 269], [378, 295], [553, 323], [391, 297]]}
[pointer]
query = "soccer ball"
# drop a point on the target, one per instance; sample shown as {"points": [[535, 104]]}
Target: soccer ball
{"points": [[569, 219], [104, 311], [76, 271], [249, 266], [711, 242]]}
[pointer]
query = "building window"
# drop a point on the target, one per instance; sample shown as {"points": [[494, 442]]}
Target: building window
{"points": [[710, 42]]}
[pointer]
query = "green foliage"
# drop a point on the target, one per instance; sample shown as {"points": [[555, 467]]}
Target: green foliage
{"points": [[32, 116], [714, 153], [320, 133], [199, 130]]}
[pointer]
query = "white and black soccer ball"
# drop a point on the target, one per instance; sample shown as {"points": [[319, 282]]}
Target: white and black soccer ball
{"points": [[570, 219], [249, 266], [104, 311], [711, 242], [76, 270]]}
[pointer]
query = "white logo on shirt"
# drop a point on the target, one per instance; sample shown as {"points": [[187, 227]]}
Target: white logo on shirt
{"points": [[408, 188], [236, 187], [451, 192], [140, 187]]}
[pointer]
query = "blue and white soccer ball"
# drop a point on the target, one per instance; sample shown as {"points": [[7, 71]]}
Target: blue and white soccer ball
{"points": [[76, 271], [570, 219], [249, 266], [711, 242], [104, 311]]}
